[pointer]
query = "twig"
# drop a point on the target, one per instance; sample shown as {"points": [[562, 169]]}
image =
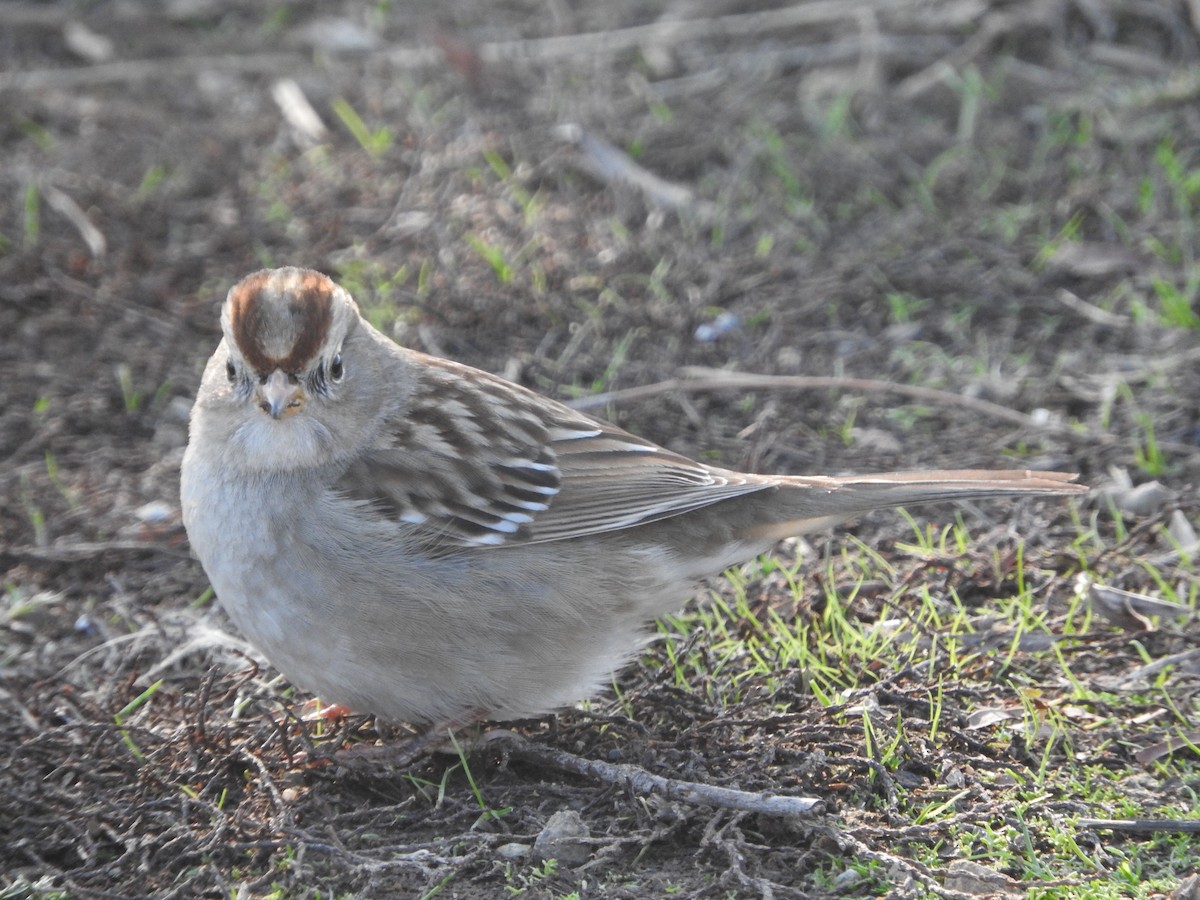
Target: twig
{"points": [[62, 203], [674, 31], [589, 44], [1144, 826], [993, 27], [716, 836], [1175, 659], [1179, 87], [1173, 743], [266, 779], [886, 783], [298, 111], [639, 781], [612, 164], [1090, 311], [85, 550], [144, 69], [697, 380], [896, 867], [770, 61]]}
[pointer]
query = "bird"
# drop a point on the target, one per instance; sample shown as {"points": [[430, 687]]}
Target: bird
{"points": [[407, 536]]}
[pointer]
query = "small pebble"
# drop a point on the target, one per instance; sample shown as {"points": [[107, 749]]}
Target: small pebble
{"points": [[1144, 500], [1182, 532], [88, 45], [564, 838], [341, 36], [847, 879], [719, 327], [514, 852], [154, 513]]}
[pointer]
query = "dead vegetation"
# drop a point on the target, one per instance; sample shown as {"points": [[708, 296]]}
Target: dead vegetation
{"points": [[907, 233]]}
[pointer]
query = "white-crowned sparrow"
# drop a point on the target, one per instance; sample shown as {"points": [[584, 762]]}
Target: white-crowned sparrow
{"points": [[411, 537]]}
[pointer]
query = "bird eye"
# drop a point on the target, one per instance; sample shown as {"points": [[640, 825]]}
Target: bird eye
{"points": [[336, 368], [230, 372]]}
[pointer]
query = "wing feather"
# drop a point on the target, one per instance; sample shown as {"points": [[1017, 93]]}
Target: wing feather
{"points": [[476, 461]]}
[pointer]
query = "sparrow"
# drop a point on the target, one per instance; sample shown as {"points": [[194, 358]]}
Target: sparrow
{"points": [[411, 537]]}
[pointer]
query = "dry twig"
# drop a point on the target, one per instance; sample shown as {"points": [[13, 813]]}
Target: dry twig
{"points": [[639, 781], [699, 380]]}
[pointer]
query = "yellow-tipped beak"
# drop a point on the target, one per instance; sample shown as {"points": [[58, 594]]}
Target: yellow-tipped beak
{"points": [[280, 395]]}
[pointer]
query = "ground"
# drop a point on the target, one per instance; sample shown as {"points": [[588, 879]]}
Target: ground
{"points": [[991, 202]]}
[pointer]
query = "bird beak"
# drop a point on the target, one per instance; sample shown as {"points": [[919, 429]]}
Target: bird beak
{"points": [[280, 395]]}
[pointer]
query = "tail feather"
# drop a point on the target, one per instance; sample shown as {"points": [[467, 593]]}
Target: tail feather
{"points": [[812, 503]]}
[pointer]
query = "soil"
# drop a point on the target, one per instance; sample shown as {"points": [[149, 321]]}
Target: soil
{"points": [[993, 200]]}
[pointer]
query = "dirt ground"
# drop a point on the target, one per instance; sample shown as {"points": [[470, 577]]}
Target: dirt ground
{"points": [[996, 201]]}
